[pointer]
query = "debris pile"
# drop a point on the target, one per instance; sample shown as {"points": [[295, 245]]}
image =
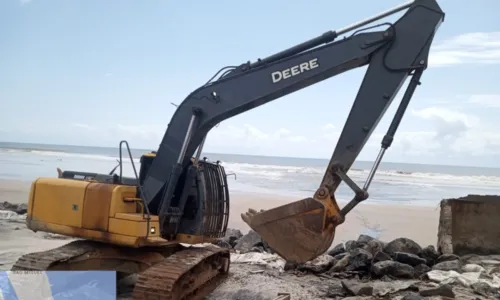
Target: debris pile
{"points": [[250, 242], [469, 225], [13, 212], [19, 209], [361, 265]]}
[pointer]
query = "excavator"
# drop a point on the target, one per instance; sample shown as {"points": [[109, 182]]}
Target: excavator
{"points": [[159, 224]]}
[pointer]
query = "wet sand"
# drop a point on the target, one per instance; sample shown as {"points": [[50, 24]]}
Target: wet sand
{"points": [[14, 191], [419, 223]]}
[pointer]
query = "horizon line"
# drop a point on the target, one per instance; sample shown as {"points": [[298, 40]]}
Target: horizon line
{"points": [[253, 155]]}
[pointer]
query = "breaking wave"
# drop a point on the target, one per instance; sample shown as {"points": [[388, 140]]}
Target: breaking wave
{"points": [[276, 172], [285, 172], [62, 154]]}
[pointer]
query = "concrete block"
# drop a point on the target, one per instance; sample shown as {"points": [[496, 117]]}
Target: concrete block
{"points": [[470, 225]]}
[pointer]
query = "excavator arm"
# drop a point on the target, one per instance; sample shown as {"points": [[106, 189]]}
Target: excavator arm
{"points": [[302, 230]]}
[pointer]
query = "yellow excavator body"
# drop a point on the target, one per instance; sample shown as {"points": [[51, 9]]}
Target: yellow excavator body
{"points": [[103, 212], [90, 210], [113, 231]]}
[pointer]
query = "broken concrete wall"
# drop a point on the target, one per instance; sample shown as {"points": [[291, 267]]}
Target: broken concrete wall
{"points": [[470, 225]]}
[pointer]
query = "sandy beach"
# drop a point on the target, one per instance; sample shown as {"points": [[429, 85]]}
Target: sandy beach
{"points": [[14, 191], [388, 221], [385, 220]]}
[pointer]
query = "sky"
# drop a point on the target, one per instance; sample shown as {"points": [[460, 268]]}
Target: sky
{"points": [[95, 72]]}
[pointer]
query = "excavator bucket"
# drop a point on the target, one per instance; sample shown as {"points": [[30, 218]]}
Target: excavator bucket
{"points": [[298, 231]]}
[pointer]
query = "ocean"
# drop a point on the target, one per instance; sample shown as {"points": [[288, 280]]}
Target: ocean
{"points": [[415, 184]]}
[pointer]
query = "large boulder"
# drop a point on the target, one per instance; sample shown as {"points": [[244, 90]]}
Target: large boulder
{"points": [[430, 255], [339, 249], [248, 241], [393, 268], [20, 209], [402, 245], [232, 235], [359, 260], [409, 259]]}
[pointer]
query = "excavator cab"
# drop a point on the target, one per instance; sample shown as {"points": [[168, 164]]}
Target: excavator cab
{"points": [[201, 201]]}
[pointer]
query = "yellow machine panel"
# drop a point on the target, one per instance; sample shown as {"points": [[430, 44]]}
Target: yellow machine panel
{"points": [[85, 209], [132, 224], [57, 201]]}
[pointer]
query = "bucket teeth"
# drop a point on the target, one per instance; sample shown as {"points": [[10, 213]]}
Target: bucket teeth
{"points": [[297, 231], [247, 217]]}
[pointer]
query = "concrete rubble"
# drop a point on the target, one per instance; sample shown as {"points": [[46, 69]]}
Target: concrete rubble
{"points": [[368, 268], [470, 225], [19, 209]]}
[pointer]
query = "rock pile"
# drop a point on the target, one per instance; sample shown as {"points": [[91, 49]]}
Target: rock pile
{"points": [[359, 263], [19, 209], [400, 258], [13, 213], [250, 242]]}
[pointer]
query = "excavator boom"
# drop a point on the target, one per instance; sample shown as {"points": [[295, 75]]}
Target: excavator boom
{"points": [[302, 230]]}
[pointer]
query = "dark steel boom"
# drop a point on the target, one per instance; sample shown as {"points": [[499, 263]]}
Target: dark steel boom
{"points": [[393, 54]]}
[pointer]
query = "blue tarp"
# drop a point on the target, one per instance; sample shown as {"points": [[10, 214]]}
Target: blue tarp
{"points": [[58, 285]]}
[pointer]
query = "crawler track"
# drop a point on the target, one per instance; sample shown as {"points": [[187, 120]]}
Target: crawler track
{"points": [[43, 261], [187, 274]]}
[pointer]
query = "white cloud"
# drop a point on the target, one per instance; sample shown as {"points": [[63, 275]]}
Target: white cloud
{"points": [[252, 136], [253, 132], [328, 127], [25, 1], [416, 143], [455, 134], [446, 115], [81, 125], [468, 48], [287, 135], [142, 131], [449, 124], [224, 138], [330, 132], [284, 132], [244, 134], [473, 142], [111, 134], [297, 139], [492, 101]]}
